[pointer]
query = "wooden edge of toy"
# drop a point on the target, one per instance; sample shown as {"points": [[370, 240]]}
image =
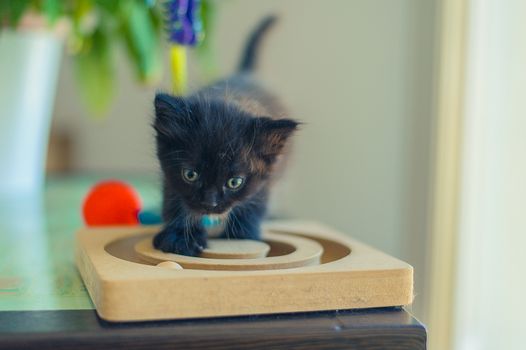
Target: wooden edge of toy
{"points": [[365, 278]]}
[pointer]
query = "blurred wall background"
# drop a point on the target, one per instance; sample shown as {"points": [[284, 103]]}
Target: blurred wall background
{"points": [[358, 73], [489, 290]]}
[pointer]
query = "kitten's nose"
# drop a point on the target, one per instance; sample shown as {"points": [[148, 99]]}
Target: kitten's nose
{"points": [[209, 205], [210, 200]]}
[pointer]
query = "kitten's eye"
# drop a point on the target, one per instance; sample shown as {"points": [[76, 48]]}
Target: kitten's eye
{"points": [[190, 175], [235, 183]]}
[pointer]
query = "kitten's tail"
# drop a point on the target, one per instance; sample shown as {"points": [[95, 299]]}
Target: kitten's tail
{"points": [[249, 58]]}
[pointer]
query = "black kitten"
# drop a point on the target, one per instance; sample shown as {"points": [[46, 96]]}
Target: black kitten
{"points": [[218, 149]]}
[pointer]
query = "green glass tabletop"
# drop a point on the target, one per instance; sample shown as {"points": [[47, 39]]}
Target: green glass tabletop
{"points": [[37, 270]]}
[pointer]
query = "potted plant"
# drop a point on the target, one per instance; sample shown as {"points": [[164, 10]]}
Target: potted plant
{"points": [[32, 37]]}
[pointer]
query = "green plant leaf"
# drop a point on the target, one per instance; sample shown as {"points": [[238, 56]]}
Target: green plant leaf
{"points": [[12, 10], [52, 9], [110, 6], [4, 11], [141, 39], [95, 72], [157, 20]]}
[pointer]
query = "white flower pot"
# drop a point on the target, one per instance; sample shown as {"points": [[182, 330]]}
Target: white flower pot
{"points": [[29, 66]]}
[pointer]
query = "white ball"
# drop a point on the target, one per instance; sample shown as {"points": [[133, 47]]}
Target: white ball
{"points": [[170, 265]]}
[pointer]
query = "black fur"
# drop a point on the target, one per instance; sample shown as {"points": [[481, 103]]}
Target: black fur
{"points": [[218, 133]]}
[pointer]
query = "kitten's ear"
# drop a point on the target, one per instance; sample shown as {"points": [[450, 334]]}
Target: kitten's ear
{"points": [[272, 135], [171, 113]]}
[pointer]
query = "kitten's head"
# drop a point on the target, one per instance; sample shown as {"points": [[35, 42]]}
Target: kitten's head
{"points": [[213, 154]]}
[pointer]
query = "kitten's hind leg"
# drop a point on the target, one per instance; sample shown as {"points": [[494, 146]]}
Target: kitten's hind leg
{"points": [[244, 222], [181, 237]]}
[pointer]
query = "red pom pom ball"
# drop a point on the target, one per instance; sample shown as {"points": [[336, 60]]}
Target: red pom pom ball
{"points": [[111, 203]]}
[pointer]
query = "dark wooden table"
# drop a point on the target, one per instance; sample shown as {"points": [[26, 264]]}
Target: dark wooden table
{"points": [[385, 328]]}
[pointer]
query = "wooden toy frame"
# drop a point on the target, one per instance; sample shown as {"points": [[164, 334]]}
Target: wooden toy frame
{"points": [[349, 275]]}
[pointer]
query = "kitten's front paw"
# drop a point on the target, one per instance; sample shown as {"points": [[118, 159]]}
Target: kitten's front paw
{"points": [[170, 242]]}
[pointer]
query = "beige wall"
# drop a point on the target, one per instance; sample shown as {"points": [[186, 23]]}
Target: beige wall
{"points": [[357, 72]]}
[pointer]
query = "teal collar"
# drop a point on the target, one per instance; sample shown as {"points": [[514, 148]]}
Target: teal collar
{"points": [[211, 221]]}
